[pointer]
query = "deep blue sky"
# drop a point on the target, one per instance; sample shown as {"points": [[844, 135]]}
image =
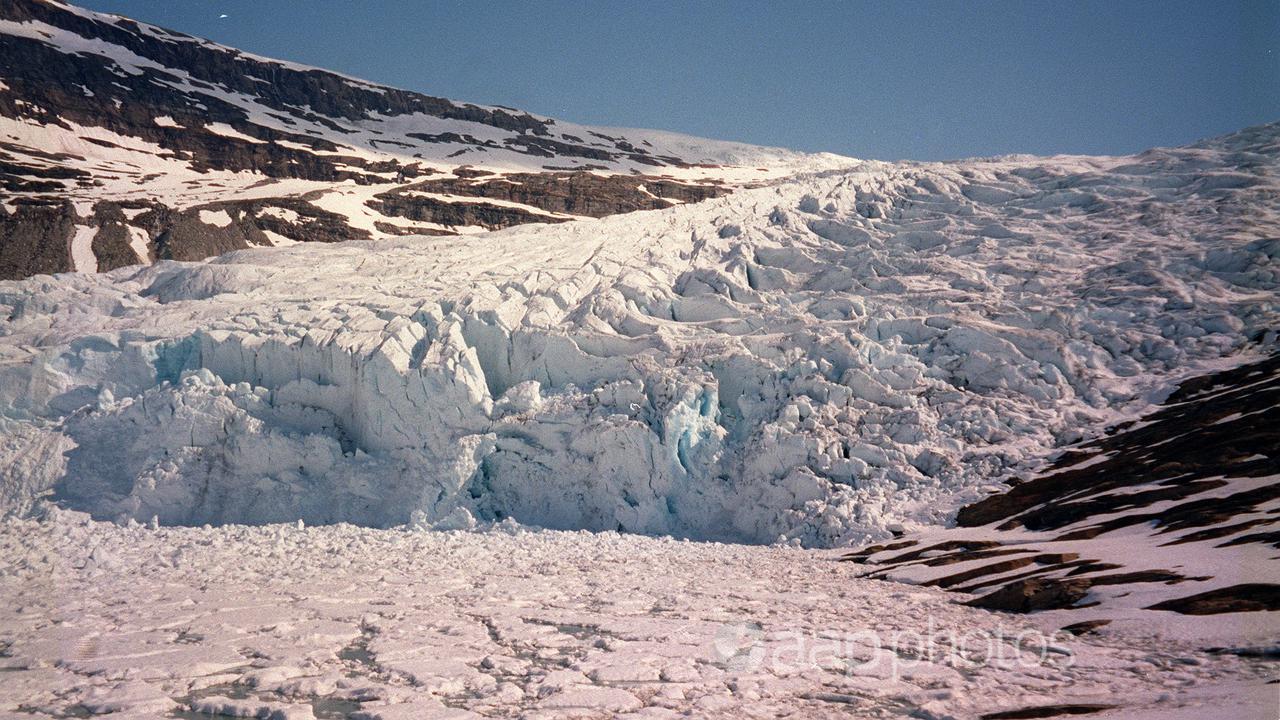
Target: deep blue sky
{"points": [[889, 79]]}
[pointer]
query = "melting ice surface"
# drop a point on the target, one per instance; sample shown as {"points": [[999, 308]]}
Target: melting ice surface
{"points": [[817, 359]]}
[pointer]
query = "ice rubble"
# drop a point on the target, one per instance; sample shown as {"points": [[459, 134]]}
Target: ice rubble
{"points": [[815, 360], [363, 623]]}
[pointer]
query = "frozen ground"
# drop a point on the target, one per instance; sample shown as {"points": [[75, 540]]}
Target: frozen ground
{"points": [[342, 621]]}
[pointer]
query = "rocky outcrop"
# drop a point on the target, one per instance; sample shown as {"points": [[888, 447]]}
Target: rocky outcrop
{"points": [[112, 243], [296, 218], [35, 238], [1047, 711], [37, 234], [576, 193], [189, 237], [1190, 483], [1251, 597], [29, 170], [486, 215]]}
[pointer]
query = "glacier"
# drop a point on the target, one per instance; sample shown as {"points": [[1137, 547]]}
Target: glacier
{"points": [[815, 361]]}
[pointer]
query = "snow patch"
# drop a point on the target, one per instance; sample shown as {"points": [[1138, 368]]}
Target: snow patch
{"points": [[286, 214], [82, 258], [138, 240], [278, 240], [226, 130], [217, 218]]}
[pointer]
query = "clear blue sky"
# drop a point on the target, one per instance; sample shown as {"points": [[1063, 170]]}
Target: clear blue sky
{"points": [[889, 79]]}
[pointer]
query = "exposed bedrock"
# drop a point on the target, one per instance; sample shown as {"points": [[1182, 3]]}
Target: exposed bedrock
{"points": [[37, 234], [577, 193]]}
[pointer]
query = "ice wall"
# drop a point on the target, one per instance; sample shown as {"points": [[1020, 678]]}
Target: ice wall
{"points": [[815, 360]]}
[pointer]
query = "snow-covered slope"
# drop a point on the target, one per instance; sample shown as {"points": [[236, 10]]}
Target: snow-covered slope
{"points": [[1174, 513], [815, 360], [122, 142]]}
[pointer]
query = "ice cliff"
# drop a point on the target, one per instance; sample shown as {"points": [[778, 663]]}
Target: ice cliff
{"points": [[818, 359]]}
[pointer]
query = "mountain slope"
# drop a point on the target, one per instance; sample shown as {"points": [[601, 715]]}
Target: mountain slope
{"points": [[1176, 512], [122, 142]]}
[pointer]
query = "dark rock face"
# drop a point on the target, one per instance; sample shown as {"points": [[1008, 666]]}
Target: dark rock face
{"points": [[577, 193], [310, 223], [111, 246], [43, 175], [187, 237], [1086, 627], [1034, 594], [486, 215], [177, 101], [1249, 597], [35, 238], [1046, 711]]}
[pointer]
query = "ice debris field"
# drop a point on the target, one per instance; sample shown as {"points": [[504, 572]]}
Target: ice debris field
{"points": [[813, 362], [345, 622]]}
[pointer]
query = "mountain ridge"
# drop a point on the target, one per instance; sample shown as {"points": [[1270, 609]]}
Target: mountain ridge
{"points": [[118, 140]]}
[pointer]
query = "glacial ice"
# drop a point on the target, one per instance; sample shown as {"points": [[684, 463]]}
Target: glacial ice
{"points": [[816, 360]]}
